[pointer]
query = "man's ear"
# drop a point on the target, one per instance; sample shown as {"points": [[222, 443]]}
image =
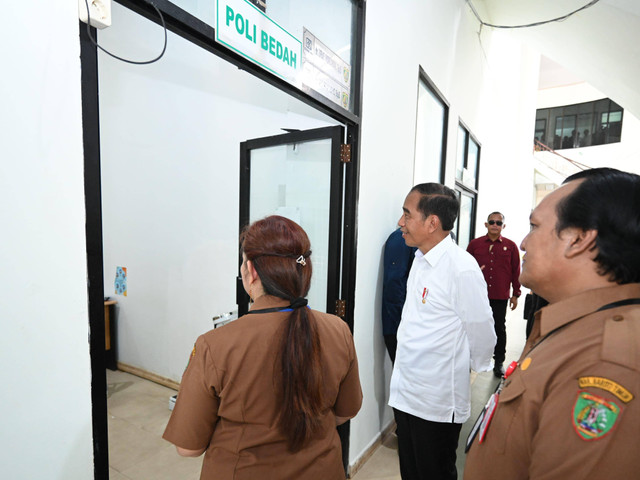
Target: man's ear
{"points": [[580, 241], [433, 222]]}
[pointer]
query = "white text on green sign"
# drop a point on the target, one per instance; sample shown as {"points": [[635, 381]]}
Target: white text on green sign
{"points": [[248, 31]]}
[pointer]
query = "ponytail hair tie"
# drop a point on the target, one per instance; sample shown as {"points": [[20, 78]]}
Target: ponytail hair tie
{"points": [[299, 302]]}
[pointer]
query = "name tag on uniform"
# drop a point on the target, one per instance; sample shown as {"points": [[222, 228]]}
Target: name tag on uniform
{"points": [[489, 410], [484, 419], [482, 422]]}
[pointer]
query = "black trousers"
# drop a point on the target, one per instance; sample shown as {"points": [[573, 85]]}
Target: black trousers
{"points": [[391, 342], [499, 308], [427, 450]]}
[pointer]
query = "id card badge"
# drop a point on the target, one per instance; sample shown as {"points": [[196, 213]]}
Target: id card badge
{"points": [[482, 422], [490, 409], [484, 419]]}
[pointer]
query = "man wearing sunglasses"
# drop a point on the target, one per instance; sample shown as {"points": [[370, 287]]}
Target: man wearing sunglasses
{"points": [[499, 261]]}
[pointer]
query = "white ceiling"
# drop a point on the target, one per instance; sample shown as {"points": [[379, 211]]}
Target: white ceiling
{"points": [[553, 74], [600, 45]]}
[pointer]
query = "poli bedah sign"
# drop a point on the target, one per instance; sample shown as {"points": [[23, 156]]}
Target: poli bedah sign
{"points": [[248, 31]]}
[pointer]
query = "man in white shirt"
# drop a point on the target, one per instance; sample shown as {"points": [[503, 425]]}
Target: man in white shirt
{"points": [[446, 330]]}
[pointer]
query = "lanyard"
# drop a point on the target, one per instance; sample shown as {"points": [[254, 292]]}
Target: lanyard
{"points": [[273, 309], [620, 303], [608, 306], [270, 310]]}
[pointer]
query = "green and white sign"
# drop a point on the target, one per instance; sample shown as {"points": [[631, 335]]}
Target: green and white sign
{"points": [[248, 31]]}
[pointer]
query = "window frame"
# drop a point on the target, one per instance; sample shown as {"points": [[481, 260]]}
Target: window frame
{"points": [[463, 188], [554, 116], [424, 79]]}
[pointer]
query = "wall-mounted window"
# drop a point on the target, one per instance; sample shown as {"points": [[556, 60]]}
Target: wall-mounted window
{"points": [[467, 159], [579, 125], [431, 132], [467, 167]]}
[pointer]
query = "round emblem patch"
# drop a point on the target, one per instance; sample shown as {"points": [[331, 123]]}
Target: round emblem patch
{"points": [[594, 416]]}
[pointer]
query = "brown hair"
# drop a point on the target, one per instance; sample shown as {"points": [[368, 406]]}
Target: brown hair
{"points": [[274, 245]]}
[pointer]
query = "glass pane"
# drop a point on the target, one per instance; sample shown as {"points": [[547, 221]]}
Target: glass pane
{"points": [[585, 127], [542, 117], [471, 171], [429, 132], [205, 10], [570, 110], [557, 133], [455, 223], [568, 131], [462, 146], [600, 135], [280, 186], [586, 107], [601, 115], [466, 211], [615, 127]]}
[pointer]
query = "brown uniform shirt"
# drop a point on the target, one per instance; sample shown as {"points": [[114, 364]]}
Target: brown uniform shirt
{"points": [[228, 400], [571, 408]]}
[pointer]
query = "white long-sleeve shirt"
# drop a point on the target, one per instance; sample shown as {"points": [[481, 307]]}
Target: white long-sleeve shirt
{"points": [[446, 330]]}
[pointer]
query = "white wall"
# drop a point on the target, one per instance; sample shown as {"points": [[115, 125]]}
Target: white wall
{"points": [[491, 87], [170, 136], [508, 107], [600, 44], [45, 405]]}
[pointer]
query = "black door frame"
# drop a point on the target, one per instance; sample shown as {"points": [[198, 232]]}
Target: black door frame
{"points": [[194, 30], [336, 135], [337, 220], [93, 228]]}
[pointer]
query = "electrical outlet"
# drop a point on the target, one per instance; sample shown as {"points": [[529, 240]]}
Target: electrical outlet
{"points": [[99, 11]]}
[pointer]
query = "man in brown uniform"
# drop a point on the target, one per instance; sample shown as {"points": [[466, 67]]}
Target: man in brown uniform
{"points": [[570, 409]]}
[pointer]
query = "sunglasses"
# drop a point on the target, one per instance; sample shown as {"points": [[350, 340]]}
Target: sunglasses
{"points": [[496, 222]]}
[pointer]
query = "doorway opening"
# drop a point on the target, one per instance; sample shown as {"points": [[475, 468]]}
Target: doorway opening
{"points": [[164, 198]]}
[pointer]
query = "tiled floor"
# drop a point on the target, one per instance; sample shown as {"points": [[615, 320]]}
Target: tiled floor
{"points": [[138, 411]]}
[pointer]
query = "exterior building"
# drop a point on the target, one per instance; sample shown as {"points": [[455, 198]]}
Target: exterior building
{"points": [[564, 100]]}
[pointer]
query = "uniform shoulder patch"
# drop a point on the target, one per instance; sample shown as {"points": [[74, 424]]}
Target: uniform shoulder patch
{"points": [[606, 384], [593, 416]]}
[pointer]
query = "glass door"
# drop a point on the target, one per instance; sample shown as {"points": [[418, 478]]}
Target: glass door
{"points": [[298, 175]]}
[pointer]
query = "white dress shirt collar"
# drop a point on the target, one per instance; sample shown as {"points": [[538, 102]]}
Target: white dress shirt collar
{"points": [[433, 256]]}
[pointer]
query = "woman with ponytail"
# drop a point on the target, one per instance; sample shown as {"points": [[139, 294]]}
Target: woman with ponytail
{"points": [[262, 395]]}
